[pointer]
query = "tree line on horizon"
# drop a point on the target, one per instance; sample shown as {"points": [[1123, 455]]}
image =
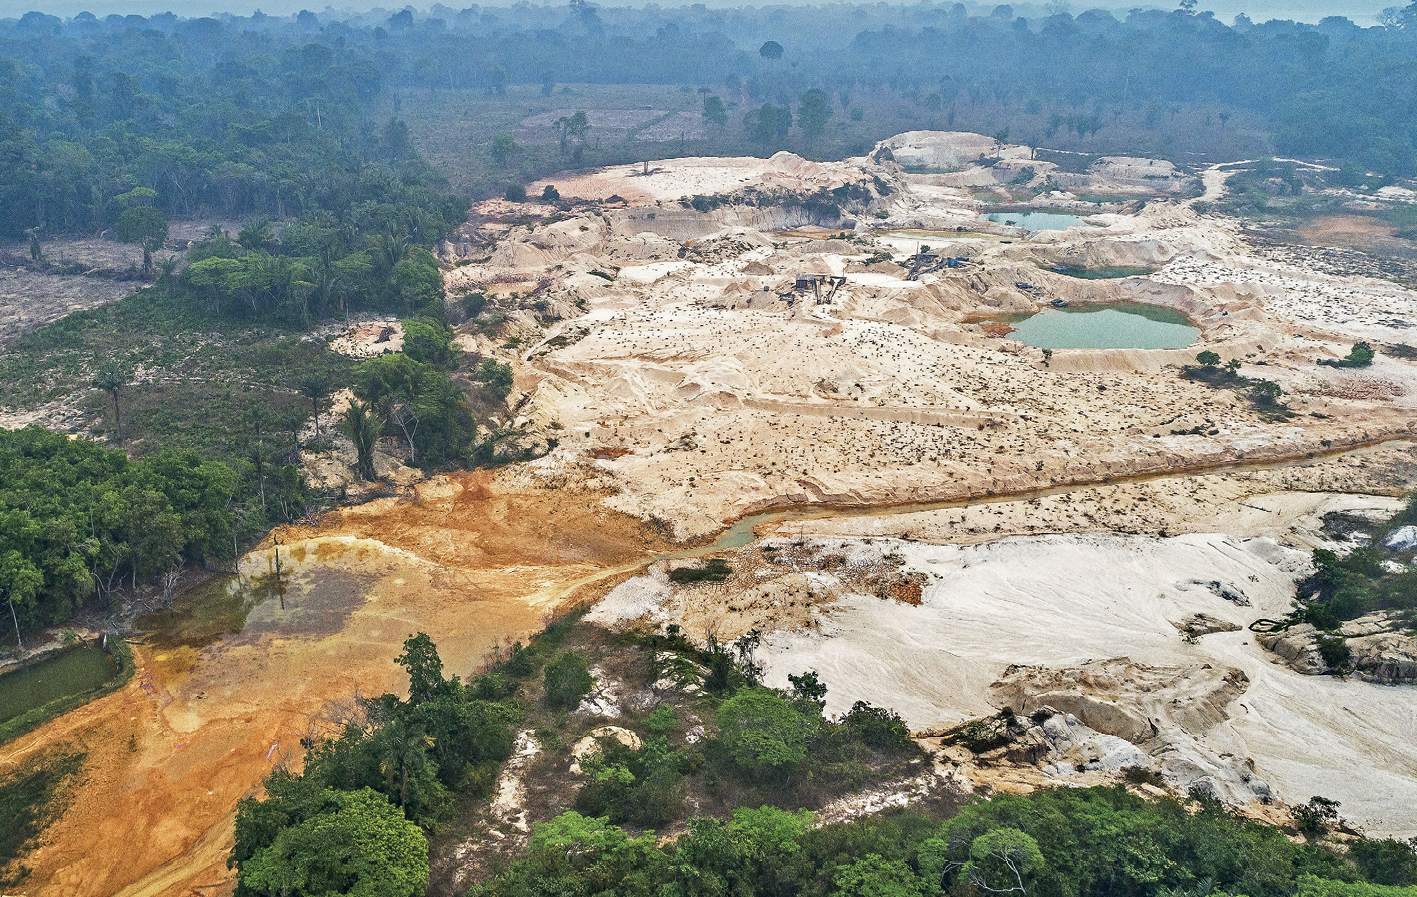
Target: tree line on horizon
{"points": [[280, 117]]}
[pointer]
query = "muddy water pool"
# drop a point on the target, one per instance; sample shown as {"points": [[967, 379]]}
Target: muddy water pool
{"points": [[1111, 273], [72, 671]]}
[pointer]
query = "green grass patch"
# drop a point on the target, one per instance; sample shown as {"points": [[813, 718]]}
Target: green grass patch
{"points": [[31, 797]]}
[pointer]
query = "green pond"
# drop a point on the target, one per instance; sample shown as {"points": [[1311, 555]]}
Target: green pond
{"points": [[1121, 326], [1035, 220], [1101, 273], [72, 671]]}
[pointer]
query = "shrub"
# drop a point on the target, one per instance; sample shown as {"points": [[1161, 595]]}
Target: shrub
{"points": [[762, 732], [567, 680], [1265, 394], [1317, 815], [1360, 356], [716, 570], [1335, 651], [516, 193], [519, 663], [876, 727]]}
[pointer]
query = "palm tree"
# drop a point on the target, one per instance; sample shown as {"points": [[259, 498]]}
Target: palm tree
{"points": [[401, 748], [362, 427], [315, 386], [112, 379]]}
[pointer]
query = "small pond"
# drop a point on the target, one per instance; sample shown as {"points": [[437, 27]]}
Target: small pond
{"points": [[298, 605], [1101, 273], [1035, 220], [72, 671], [1121, 326]]}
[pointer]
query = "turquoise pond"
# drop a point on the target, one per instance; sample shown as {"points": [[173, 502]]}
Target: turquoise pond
{"points": [[72, 671], [1123, 326], [1035, 220]]}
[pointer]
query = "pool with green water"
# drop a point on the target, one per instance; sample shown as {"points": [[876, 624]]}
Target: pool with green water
{"points": [[1036, 220], [1113, 273], [72, 671], [1119, 326]]}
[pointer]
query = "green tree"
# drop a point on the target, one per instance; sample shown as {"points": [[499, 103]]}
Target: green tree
{"points": [[425, 668], [770, 50], [1208, 358], [21, 581], [362, 428], [503, 148], [141, 224], [714, 111], [875, 876], [1387, 861], [572, 127], [567, 680], [813, 114], [1003, 860], [767, 123], [762, 732], [430, 342], [356, 844]]}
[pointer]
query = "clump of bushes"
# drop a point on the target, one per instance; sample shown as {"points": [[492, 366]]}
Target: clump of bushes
{"points": [[1360, 356], [567, 680], [716, 570]]}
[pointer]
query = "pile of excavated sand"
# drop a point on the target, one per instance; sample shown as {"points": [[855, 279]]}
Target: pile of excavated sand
{"points": [[1065, 603], [711, 386], [674, 179], [369, 338]]}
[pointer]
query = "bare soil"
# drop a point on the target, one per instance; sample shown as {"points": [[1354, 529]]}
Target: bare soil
{"points": [[470, 563]]}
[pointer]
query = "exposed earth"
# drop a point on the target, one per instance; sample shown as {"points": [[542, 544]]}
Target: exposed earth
{"points": [[951, 521]]}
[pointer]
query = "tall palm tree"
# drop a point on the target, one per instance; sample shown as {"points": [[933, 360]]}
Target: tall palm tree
{"points": [[362, 427], [112, 379]]}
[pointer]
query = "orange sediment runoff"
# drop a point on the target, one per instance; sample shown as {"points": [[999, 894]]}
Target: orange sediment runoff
{"points": [[199, 727]]}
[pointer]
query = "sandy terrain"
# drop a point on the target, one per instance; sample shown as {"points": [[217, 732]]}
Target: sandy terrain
{"points": [[675, 179], [1117, 598], [721, 390], [690, 381]]}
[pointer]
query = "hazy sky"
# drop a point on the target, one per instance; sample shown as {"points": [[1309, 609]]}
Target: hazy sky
{"points": [[1364, 12]]}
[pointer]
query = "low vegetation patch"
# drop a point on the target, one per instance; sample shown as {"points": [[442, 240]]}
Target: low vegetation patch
{"points": [[32, 795]]}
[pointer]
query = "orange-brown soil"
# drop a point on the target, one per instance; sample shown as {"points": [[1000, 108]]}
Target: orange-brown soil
{"points": [[472, 564]]}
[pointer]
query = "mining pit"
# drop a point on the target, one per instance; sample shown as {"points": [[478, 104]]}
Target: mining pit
{"points": [[782, 363]]}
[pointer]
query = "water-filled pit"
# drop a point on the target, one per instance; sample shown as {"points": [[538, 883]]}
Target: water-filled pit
{"points": [[1119, 326], [1036, 220], [72, 671]]}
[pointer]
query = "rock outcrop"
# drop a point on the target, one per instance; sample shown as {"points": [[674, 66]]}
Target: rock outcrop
{"points": [[1380, 649]]}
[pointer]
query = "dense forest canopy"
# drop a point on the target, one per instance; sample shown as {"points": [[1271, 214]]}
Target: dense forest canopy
{"points": [[75, 518], [261, 115]]}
